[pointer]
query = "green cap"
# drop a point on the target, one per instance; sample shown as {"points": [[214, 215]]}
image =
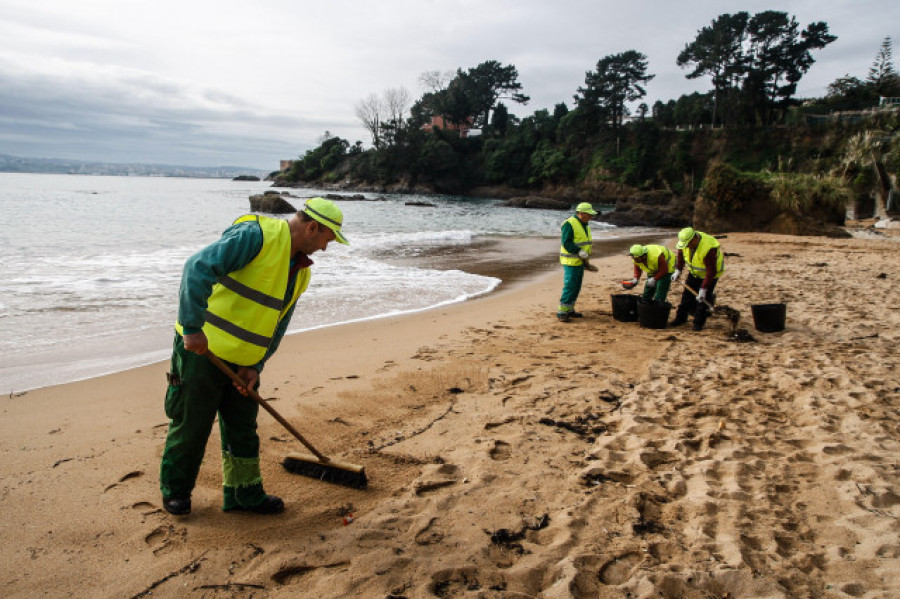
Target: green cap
{"points": [[586, 208], [638, 250], [327, 213], [685, 236]]}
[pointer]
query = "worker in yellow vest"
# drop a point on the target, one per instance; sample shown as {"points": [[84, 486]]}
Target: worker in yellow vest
{"points": [[659, 264], [573, 255], [236, 299], [704, 258]]}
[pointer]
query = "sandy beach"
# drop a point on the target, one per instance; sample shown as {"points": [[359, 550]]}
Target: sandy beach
{"points": [[509, 455]]}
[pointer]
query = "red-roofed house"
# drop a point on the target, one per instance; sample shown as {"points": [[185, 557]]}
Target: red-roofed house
{"points": [[438, 122]]}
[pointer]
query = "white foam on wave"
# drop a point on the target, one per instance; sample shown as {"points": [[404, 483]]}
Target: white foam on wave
{"points": [[403, 242], [388, 309]]}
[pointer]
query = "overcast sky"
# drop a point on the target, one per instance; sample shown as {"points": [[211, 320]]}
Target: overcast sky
{"points": [[213, 83]]}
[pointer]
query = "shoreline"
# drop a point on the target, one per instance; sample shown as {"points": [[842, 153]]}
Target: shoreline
{"points": [[508, 453], [488, 257]]}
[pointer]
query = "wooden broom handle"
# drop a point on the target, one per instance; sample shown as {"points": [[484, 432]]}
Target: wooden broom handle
{"points": [[262, 402], [708, 305]]}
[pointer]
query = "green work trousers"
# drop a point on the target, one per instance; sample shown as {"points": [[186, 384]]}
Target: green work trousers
{"points": [[572, 279], [197, 393], [659, 291]]}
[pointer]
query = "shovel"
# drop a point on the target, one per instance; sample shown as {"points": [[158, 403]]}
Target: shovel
{"points": [[730, 313]]}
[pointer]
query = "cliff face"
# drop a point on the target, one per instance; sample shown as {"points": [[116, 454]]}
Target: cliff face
{"points": [[662, 178], [762, 215]]}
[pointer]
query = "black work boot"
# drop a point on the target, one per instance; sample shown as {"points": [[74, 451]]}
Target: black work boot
{"points": [[270, 505], [177, 506], [680, 318], [700, 316]]}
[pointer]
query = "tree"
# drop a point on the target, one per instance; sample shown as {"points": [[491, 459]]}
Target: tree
{"points": [[849, 93], [395, 104], [485, 85], [454, 104], [370, 112], [384, 117], [718, 51], [779, 56], [882, 77], [619, 78], [693, 110], [762, 57], [435, 81], [471, 94], [317, 162], [501, 119]]}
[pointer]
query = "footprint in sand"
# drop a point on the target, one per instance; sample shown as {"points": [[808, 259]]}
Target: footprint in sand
{"points": [[163, 539], [458, 582], [430, 534], [619, 569], [123, 478], [500, 451]]}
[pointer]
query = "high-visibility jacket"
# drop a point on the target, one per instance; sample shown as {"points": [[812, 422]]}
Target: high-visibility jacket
{"points": [[695, 260], [246, 305], [582, 238], [654, 253]]}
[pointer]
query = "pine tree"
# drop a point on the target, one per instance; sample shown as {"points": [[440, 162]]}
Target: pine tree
{"points": [[882, 76]]}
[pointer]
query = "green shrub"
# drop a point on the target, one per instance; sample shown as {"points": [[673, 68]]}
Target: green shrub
{"points": [[728, 189], [805, 194]]}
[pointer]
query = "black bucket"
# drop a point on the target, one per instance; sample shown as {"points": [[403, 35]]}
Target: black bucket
{"points": [[624, 307], [769, 318], [653, 315]]}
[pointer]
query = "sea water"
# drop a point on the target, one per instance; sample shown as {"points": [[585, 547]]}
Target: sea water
{"points": [[91, 264]]}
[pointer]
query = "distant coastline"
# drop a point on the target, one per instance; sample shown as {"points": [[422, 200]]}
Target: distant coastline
{"points": [[18, 164]]}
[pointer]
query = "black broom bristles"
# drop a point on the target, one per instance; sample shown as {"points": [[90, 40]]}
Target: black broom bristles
{"points": [[339, 473]]}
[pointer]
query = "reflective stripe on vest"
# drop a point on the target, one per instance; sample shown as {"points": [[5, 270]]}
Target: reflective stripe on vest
{"points": [[246, 305], [653, 254], [694, 260], [582, 238]]}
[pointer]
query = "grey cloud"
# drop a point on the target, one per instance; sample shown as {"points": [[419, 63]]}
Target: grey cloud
{"points": [[152, 121]]}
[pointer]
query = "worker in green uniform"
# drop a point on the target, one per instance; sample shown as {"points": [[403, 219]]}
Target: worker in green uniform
{"points": [[576, 243], [236, 299], [659, 264]]}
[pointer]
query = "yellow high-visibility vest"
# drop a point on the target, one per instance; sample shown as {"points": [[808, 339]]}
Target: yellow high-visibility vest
{"points": [[654, 252], [246, 305], [582, 239], [694, 260]]}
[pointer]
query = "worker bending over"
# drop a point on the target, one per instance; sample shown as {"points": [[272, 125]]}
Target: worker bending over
{"points": [[701, 255], [659, 264]]}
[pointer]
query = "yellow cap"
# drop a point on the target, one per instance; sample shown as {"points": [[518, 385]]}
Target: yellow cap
{"points": [[638, 250], [685, 236], [327, 213]]}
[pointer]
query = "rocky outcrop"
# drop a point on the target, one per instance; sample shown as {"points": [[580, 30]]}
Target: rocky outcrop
{"points": [[651, 209], [786, 223], [538, 202], [761, 215], [270, 202], [356, 197]]}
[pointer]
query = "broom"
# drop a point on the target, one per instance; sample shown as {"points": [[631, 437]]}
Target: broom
{"points": [[314, 466]]}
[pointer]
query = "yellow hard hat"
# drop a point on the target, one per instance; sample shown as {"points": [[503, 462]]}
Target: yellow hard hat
{"points": [[327, 213]]}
